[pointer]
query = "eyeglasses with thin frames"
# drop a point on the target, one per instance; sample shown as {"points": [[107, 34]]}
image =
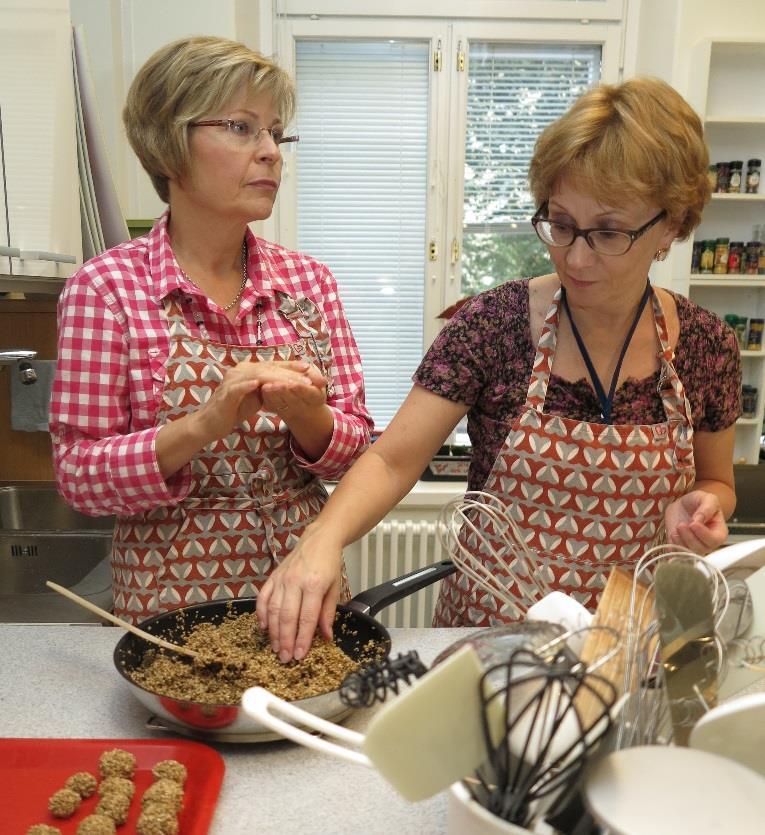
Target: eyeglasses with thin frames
{"points": [[603, 241], [242, 132]]}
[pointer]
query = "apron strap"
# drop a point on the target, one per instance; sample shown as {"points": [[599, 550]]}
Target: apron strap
{"points": [[606, 400]]}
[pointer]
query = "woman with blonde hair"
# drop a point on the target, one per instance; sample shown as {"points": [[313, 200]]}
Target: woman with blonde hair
{"points": [[207, 379], [600, 409]]}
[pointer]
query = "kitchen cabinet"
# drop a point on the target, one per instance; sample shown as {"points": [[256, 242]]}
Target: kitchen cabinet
{"points": [[730, 97], [40, 181]]}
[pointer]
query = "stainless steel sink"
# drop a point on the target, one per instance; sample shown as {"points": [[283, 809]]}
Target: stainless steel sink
{"points": [[41, 508], [42, 538]]}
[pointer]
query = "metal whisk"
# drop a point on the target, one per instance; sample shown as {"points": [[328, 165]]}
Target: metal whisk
{"points": [[486, 544], [537, 737]]}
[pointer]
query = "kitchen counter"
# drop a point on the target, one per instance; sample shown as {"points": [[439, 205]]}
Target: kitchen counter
{"points": [[59, 681]]}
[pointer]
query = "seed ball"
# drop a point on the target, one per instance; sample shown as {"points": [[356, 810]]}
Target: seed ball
{"points": [[115, 806], [166, 792], [117, 785], [117, 763], [97, 825], [64, 803], [83, 782], [170, 770]]}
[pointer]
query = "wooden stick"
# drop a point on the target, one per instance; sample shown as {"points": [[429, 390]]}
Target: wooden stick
{"points": [[147, 636]]}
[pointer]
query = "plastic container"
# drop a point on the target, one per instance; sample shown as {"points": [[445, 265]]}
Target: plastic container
{"points": [[748, 401]]}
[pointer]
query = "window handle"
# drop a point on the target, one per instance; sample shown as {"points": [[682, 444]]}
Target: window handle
{"points": [[455, 251]]}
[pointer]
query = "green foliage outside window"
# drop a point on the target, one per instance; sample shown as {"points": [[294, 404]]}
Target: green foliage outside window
{"points": [[491, 258]]}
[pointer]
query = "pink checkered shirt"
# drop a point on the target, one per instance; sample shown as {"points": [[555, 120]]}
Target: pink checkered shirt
{"points": [[113, 343]]}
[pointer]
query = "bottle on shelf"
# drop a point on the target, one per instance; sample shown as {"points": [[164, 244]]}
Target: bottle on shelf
{"points": [[722, 248], [735, 257], [753, 176], [736, 174], [707, 257]]}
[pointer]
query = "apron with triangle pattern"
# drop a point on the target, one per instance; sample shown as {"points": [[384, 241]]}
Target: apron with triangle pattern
{"points": [[249, 500], [586, 496]]}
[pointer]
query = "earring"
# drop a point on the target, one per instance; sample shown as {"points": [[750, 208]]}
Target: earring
{"points": [[661, 255]]}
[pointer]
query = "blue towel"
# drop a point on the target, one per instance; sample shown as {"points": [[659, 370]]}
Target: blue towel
{"points": [[30, 403]]}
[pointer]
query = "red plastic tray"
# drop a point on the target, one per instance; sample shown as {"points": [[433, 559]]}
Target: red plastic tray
{"points": [[32, 769]]}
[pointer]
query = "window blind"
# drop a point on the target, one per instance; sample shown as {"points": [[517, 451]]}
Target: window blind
{"points": [[361, 195], [514, 92]]}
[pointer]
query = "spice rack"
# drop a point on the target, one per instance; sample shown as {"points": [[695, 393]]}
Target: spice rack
{"points": [[733, 110]]}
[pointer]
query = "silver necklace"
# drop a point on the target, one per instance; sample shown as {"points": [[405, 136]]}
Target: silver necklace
{"points": [[241, 286]]}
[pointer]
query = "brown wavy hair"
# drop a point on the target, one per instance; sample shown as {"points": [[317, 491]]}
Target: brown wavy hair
{"points": [[184, 82], [639, 139]]}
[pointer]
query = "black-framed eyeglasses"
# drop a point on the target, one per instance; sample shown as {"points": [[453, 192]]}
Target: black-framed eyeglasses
{"points": [[243, 132], [603, 241]]}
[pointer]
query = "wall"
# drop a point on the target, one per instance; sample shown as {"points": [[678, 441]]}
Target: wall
{"points": [[120, 36], [24, 456]]}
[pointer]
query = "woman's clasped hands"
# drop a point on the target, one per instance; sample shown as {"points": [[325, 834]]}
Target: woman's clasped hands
{"points": [[291, 389]]}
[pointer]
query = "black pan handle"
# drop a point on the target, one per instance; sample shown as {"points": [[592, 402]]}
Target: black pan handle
{"points": [[370, 602]]}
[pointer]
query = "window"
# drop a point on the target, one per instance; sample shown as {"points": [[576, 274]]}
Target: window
{"points": [[410, 178], [361, 196], [514, 92]]}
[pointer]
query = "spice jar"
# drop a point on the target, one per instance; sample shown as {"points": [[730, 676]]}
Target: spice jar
{"points": [[738, 323], [712, 176], [754, 341], [723, 177], [696, 257], [752, 257], [753, 176], [721, 256], [707, 261], [735, 257], [736, 173], [748, 401]]}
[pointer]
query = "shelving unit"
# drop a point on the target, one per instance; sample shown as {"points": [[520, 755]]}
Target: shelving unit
{"points": [[733, 110]]}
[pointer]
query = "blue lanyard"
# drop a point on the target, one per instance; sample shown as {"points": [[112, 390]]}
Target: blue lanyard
{"points": [[606, 401]]}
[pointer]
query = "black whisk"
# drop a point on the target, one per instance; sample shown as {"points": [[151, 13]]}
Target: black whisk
{"points": [[536, 735], [363, 688]]}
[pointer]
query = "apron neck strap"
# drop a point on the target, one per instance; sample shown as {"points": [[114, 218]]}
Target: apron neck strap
{"points": [[606, 400]]}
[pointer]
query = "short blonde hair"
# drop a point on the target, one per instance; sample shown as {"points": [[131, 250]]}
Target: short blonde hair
{"points": [[184, 82], [639, 139]]}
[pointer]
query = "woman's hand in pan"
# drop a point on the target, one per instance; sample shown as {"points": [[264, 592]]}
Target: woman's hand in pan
{"points": [[301, 594], [239, 394], [696, 521], [294, 400]]}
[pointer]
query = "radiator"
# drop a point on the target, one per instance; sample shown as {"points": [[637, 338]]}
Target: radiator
{"points": [[395, 548]]}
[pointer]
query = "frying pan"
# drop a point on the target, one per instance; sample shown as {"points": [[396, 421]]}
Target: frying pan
{"points": [[354, 627]]}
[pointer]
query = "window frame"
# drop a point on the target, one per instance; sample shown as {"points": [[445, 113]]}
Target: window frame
{"points": [[591, 10], [447, 119], [607, 37]]}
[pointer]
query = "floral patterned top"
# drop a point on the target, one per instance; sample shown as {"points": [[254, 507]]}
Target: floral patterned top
{"points": [[483, 358]]}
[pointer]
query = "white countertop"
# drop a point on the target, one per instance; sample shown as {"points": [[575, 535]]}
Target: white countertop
{"points": [[59, 681]]}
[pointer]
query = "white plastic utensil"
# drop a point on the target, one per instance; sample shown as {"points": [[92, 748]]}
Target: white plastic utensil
{"points": [[735, 730], [421, 742], [669, 790]]}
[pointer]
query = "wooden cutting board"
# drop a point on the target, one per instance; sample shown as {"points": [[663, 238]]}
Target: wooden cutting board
{"points": [[613, 611]]}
